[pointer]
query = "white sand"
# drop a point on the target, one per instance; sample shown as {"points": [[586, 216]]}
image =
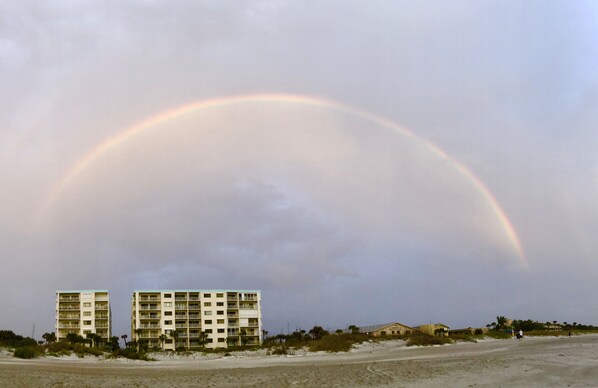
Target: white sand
{"points": [[539, 362]]}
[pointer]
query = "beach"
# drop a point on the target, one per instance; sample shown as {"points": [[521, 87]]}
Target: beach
{"points": [[533, 361]]}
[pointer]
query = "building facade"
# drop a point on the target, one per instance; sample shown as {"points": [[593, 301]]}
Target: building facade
{"points": [[192, 319], [82, 313]]}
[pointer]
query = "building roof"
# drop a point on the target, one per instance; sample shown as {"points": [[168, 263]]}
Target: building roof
{"points": [[196, 290], [78, 291], [369, 329]]}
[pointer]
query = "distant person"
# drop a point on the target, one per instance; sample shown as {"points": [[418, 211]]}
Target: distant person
{"points": [[569, 333], [520, 334]]}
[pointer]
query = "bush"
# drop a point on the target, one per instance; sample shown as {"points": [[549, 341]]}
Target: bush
{"points": [[27, 352], [130, 353], [428, 340], [336, 342]]}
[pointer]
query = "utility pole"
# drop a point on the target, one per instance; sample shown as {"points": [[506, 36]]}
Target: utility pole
{"points": [[33, 332]]}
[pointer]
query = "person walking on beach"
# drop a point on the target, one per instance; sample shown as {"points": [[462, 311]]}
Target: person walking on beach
{"points": [[520, 335]]}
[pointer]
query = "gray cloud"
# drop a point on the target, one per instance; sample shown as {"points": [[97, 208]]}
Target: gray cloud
{"points": [[322, 211]]}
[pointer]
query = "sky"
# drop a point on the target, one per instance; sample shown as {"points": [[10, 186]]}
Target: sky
{"points": [[358, 162]]}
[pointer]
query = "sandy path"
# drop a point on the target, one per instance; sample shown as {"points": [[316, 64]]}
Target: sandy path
{"points": [[539, 362]]}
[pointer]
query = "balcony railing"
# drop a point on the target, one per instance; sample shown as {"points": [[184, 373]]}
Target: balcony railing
{"points": [[145, 308], [180, 325], [149, 298], [67, 326], [101, 316], [232, 307], [101, 307], [194, 298], [149, 317], [149, 326], [180, 307], [68, 308], [248, 307], [69, 317], [180, 316], [68, 299], [193, 316]]}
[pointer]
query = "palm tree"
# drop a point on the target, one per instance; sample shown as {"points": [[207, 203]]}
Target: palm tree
{"points": [[174, 334], [203, 338], [501, 322], [162, 339], [138, 338], [124, 337]]}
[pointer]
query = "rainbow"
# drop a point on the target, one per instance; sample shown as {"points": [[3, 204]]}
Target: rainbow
{"points": [[128, 133]]}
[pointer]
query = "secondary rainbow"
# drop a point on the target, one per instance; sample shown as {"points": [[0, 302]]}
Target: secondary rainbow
{"points": [[81, 165]]}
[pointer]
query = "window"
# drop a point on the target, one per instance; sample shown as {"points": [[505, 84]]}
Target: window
{"points": [[167, 304], [86, 304], [210, 340], [168, 322], [169, 341], [207, 304], [219, 295], [167, 295], [207, 295], [220, 312], [221, 340], [219, 303], [207, 313], [87, 313], [208, 321], [220, 321], [87, 323], [84, 332], [168, 313], [208, 331], [220, 330]]}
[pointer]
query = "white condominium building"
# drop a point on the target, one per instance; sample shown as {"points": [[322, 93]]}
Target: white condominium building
{"points": [[191, 319], [82, 312]]}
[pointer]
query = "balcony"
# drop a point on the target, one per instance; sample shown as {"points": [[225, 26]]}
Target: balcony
{"points": [[101, 307], [193, 307], [68, 326], [149, 326], [232, 307], [232, 314], [149, 298], [232, 298], [67, 317], [101, 325], [250, 298], [180, 298], [193, 316], [194, 325], [248, 307], [180, 325], [152, 316], [150, 307], [101, 316], [194, 298], [180, 316], [67, 307], [68, 299], [180, 307]]}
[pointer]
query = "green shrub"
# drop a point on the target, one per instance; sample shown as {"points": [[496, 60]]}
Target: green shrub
{"points": [[336, 342], [26, 352], [428, 340], [129, 353]]}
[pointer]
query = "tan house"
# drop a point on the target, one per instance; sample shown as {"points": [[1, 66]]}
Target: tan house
{"points": [[394, 328]]}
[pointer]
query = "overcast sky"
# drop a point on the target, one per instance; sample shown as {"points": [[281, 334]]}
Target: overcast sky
{"points": [[337, 216]]}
